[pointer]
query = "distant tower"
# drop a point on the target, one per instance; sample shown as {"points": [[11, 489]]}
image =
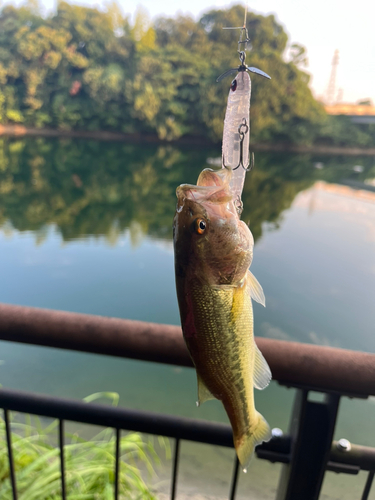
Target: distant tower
{"points": [[331, 90]]}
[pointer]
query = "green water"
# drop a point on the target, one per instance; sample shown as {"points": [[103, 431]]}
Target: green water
{"points": [[86, 227]]}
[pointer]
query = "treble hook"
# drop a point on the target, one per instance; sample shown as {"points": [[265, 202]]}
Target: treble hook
{"points": [[243, 129]]}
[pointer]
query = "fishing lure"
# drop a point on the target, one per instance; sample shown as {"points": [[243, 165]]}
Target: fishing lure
{"points": [[236, 134]]}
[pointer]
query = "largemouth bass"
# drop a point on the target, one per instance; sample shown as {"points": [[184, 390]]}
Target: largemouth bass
{"points": [[213, 252]]}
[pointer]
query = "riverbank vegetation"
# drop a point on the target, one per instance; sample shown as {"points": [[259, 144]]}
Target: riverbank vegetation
{"points": [[89, 463], [84, 69]]}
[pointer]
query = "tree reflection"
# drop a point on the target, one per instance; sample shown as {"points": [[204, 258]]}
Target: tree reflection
{"points": [[87, 188]]}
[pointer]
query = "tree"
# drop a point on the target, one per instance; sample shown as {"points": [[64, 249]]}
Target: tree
{"points": [[87, 69]]}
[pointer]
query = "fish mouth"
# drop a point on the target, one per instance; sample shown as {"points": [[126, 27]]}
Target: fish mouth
{"points": [[212, 192]]}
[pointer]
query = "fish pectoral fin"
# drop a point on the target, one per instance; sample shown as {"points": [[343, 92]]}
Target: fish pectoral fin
{"points": [[255, 289], [204, 394], [262, 373]]}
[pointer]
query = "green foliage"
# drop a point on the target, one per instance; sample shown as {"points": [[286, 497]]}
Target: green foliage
{"points": [[85, 69], [340, 131], [89, 464]]}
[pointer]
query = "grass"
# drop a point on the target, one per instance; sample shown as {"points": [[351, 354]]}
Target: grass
{"points": [[89, 464]]}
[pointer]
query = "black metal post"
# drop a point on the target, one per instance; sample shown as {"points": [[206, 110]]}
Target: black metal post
{"points": [[175, 469], [117, 462], [62, 458], [368, 485], [312, 425], [10, 454], [233, 487]]}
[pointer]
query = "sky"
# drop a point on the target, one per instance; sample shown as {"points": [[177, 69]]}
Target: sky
{"points": [[322, 26]]}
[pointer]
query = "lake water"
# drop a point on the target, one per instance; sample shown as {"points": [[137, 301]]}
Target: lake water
{"points": [[86, 227]]}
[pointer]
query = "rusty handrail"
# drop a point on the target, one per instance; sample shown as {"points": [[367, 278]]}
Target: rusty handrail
{"points": [[294, 364]]}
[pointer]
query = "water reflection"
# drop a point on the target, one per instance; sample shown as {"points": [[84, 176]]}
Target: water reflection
{"points": [[86, 188], [317, 268]]}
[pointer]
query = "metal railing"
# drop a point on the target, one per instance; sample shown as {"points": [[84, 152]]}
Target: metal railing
{"points": [[334, 372]]}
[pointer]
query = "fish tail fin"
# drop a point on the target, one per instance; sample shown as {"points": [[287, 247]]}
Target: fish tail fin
{"points": [[246, 444]]}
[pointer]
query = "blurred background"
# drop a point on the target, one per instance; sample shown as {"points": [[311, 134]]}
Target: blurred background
{"points": [[85, 224]]}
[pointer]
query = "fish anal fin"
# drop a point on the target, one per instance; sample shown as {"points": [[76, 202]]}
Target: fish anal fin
{"points": [[262, 374], [255, 289], [246, 444], [204, 393]]}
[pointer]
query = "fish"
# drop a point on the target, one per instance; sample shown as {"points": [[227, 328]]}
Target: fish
{"points": [[213, 251]]}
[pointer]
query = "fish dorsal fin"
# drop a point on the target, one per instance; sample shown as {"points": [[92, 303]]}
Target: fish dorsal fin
{"points": [[203, 393], [262, 373], [255, 289]]}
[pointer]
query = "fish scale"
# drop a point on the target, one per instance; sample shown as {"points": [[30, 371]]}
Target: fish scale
{"points": [[221, 352]]}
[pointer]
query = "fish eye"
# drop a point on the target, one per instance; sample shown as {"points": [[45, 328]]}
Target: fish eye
{"points": [[233, 85], [200, 226]]}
